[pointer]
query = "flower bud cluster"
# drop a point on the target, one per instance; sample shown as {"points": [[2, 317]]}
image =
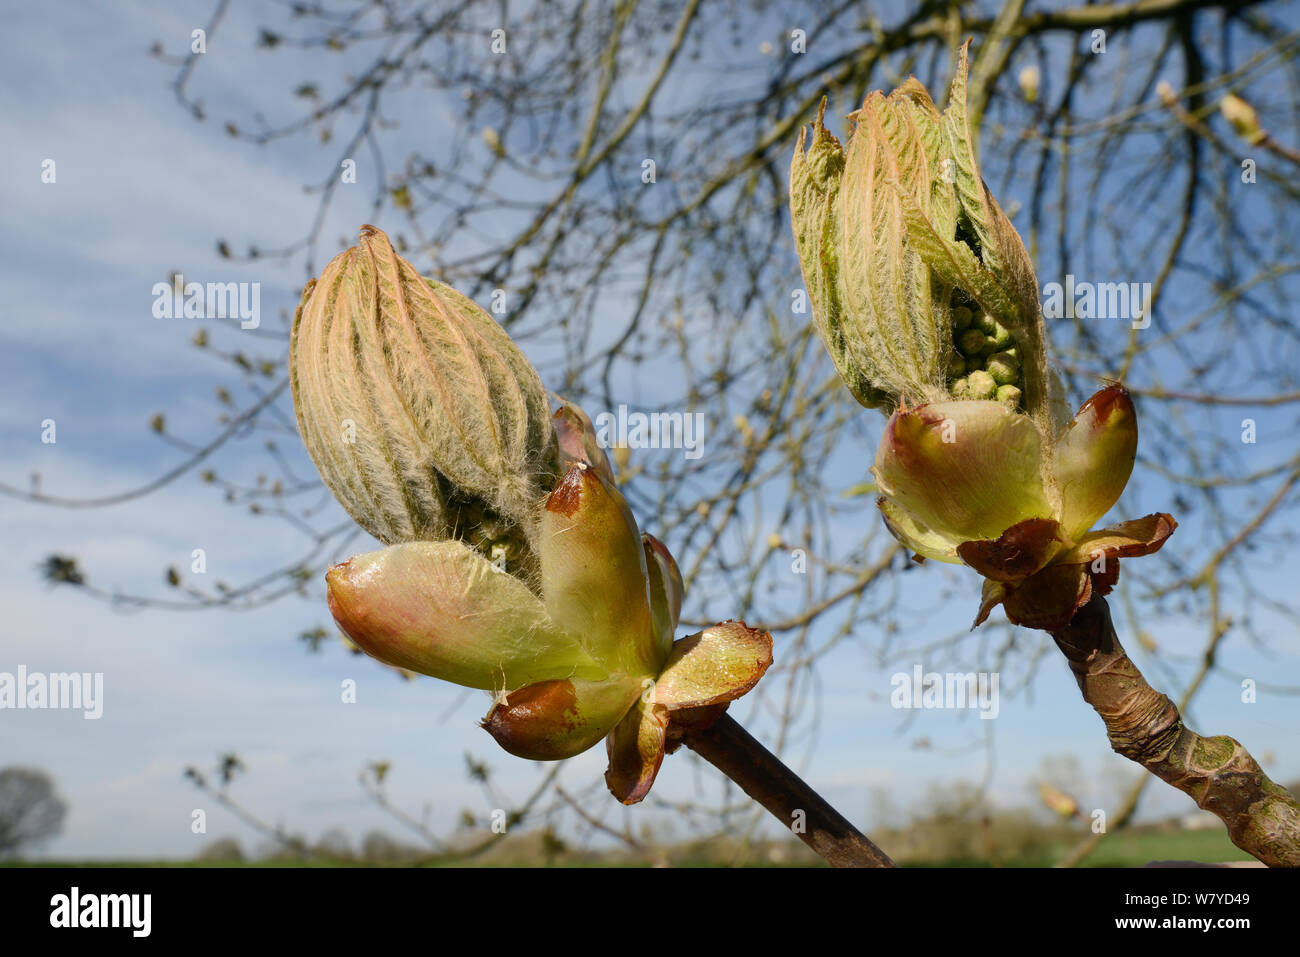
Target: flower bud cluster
{"points": [[986, 362]]}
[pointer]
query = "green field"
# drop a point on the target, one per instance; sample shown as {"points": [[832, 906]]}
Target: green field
{"points": [[1132, 848]]}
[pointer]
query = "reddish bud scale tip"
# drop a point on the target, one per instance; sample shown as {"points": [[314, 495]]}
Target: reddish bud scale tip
{"points": [[335, 579], [658, 546], [903, 431], [559, 718], [349, 614], [532, 721], [566, 498], [1110, 401], [577, 440]]}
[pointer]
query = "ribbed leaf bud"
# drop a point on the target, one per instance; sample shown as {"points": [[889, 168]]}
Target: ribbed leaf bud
{"points": [[425, 420]]}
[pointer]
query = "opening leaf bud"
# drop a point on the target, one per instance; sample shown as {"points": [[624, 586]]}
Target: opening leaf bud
{"points": [[906, 255], [424, 418]]}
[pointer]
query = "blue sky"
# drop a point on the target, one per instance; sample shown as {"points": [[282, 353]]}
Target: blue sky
{"points": [[141, 190]]}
